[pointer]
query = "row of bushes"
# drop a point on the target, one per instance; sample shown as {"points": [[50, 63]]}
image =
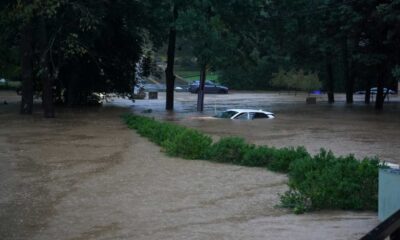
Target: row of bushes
{"points": [[323, 181], [188, 143], [176, 140]]}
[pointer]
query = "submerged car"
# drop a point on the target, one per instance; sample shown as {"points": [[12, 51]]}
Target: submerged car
{"points": [[209, 87], [374, 90], [245, 114]]}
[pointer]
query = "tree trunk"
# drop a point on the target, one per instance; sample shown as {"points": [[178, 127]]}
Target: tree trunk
{"points": [[26, 69], [169, 71], [352, 80], [347, 78], [45, 76], [200, 94], [380, 84], [367, 98], [330, 84]]}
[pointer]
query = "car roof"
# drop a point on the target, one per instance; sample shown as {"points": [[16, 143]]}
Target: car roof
{"points": [[248, 110], [205, 81], [377, 88]]}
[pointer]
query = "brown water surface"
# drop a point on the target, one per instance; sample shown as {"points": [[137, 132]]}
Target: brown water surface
{"points": [[345, 129], [84, 175]]}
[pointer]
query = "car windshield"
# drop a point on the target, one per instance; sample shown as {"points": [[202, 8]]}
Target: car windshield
{"points": [[197, 82], [209, 83], [226, 114]]}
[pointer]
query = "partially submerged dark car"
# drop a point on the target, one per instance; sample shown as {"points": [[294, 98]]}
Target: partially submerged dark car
{"points": [[209, 87]]}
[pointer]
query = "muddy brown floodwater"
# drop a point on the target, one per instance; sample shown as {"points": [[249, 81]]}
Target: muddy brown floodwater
{"points": [[84, 175]]}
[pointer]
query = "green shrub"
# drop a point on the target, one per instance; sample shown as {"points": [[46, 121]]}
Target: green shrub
{"points": [[258, 157], [285, 156], [189, 144], [147, 129], [177, 140], [319, 182], [229, 150], [129, 120], [295, 200], [166, 132], [328, 182], [157, 132]]}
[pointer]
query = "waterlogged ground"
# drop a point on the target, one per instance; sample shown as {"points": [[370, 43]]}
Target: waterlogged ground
{"points": [[84, 175]]}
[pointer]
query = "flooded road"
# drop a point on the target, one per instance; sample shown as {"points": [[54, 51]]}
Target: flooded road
{"points": [[84, 175], [345, 129]]}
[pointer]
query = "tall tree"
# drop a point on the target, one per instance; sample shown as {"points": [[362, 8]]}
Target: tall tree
{"points": [[45, 72], [26, 49], [212, 27], [78, 46], [169, 71], [374, 49], [164, 24], [330, 81], [195, 21]]}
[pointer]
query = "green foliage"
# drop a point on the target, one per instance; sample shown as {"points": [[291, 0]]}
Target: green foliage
{"points": [[282, 158], [70, 37], [308, 81], [296, 80], [293, 35], [396, 72], [229, 150], [156, 131], [323, 181], [260, 156], [147, 64], [244, 41], [328, 182], [188, 143], [282, 79], [296, 201], [195, 75], [177, 141]]}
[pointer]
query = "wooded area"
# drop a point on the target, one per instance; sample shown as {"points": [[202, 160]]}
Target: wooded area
{"points": [[64, 50]]}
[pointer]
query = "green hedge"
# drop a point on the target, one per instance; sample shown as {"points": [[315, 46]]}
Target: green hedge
{"points": [[228, 150], [189, 144], [261, 156], [323, 181], [177, 140], [282, 158], [328, 182]]}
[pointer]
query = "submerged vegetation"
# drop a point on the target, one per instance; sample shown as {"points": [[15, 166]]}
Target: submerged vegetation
{"points": [[323, 181]]}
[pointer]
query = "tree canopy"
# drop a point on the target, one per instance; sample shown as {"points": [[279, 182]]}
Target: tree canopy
{"points": [[67, 49], [78, 47]]}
